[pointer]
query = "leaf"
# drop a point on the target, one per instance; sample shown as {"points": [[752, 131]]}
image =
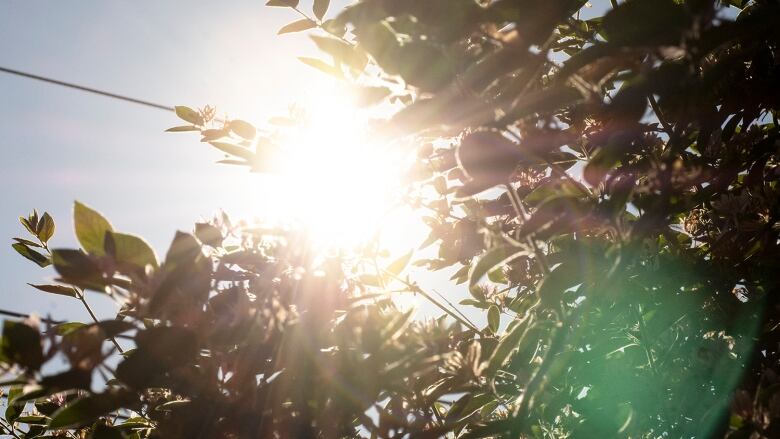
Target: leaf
{"points": [[208, 234], [56, 289], [187, 114], [45, 227], [21, 344], [283, 3], [320, 7], [494, 318], [371, 280], [397, 266], [87, 409], [183, 251], [91, 228], [33, 419], [27, 242], [14, 409], [491, 259], [68, 327], [234, 150], [508, 342], [134, 250], [77, 267], [31, 254], [560, 279], [321, 66], [182, 128], [341, 51], [297, 26], [243, 129]]}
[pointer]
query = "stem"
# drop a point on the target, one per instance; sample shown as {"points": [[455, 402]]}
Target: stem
{"points": [[521, 213], [82, 298], [659, 115], [416, 289]]}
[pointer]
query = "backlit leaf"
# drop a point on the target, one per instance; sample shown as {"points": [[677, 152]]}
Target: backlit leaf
{"points": [[187, 114], [492, 259], [297, 26], [91, 228]]}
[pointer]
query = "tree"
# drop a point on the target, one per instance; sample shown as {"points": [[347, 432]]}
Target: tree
{"points": [[611, 201]]}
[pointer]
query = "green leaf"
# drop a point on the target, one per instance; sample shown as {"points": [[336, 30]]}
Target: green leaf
{"points": [[14, 409], [321, 66], [320, 7], [28, 225], [560, 279], [56, 289], [492, 259], [134, 250], [27, 242], [494, 318], [243, 129], [506, 345], [297, 26], [91, 228], [31, 254], [45, 227], [182, 128], [87, 409], [67, 328], [283, 3], [187, 114], [33, 419]]}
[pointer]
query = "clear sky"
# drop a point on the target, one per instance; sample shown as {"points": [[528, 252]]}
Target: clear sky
{"points": [[59, 145]]}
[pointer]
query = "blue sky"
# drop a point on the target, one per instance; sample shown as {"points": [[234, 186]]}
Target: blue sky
{"points": [[61, 145]]}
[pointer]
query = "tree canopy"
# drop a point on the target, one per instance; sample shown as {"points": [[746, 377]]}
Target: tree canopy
{"points": [[606, 189]]}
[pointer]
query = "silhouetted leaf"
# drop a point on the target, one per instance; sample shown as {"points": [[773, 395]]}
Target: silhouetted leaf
{"points": [[56, 289], [88, 408], [21, 344], [320, 7]]}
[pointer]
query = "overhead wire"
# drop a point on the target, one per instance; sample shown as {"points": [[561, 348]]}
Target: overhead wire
{"points": [[85, 89]]}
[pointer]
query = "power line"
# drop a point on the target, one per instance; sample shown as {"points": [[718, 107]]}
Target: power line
{"points": [[85, 89]]}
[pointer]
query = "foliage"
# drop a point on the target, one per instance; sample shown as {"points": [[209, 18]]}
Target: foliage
{"points": [[606, 188]]}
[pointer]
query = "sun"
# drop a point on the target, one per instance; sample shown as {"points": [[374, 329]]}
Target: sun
{"points": [[331, 176]]}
